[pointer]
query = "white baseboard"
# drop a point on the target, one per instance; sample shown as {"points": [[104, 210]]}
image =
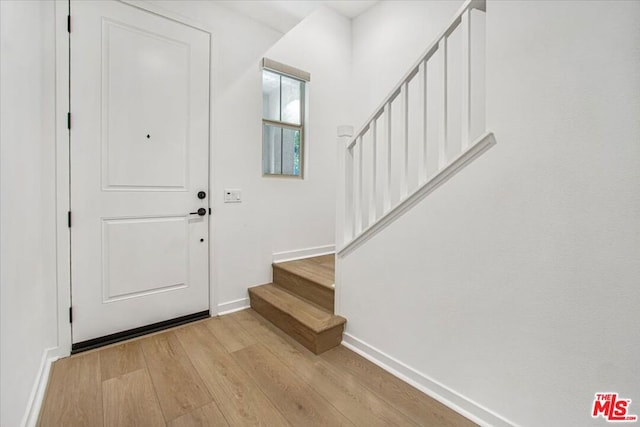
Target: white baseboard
{"points": [[461, 404], [233, 306], [303, 253], [36, 397]]}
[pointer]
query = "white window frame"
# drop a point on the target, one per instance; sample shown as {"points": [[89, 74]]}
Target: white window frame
{"points": [[304, 77]]}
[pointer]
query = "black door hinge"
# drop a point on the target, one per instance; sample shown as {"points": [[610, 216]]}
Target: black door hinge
{"points": [[69, 219], [68, 23], [70, 314], [68, 120], [209, 211]]}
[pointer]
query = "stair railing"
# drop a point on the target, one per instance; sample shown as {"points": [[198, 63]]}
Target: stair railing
{"points": [[365, 203]]}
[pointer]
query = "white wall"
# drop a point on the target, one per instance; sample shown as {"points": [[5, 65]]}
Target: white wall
{"points": [[388, 39], [27, 200], [515, 285], [238, 256], [277, 214], [302, 213]]}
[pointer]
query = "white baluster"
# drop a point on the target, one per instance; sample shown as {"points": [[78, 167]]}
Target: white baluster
{"points": [[442, 125], [349, 229], [422, 152], [364, 203], [387, 185], [357, 189], [374, 173], [404, 176], [465, 30]]}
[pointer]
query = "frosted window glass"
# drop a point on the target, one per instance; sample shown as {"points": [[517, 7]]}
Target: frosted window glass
{"points": [[270, 96], [291, 100]]}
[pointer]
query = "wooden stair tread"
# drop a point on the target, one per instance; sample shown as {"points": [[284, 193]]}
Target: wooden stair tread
{"points": [[315, 318], [320, 270], [300, 302]]}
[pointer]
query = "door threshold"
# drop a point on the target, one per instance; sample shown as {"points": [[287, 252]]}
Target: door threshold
{"points": [[136, 332]]}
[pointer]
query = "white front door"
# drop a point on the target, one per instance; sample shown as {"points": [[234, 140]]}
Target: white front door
{"points": [[139, 157]]}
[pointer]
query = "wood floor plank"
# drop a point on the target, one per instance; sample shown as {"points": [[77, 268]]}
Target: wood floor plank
{"points": [[207, 416], [337, 386], [179, 387], [273, 382], [130, 400], [228, 332], [237, 395], [74, 393], [405, 398], [121, 359], [295, 399]]}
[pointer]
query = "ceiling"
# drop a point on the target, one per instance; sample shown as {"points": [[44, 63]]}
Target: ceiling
{"points": [[283, 15], [350, 8]]}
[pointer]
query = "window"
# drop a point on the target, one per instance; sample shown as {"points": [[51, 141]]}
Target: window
{"points": [[283, 99]]}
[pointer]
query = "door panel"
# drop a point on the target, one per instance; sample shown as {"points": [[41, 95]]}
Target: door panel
{"points": [[139, 156], [145, 120], [159, 248]]}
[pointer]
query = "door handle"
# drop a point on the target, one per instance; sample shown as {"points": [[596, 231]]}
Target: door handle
{"points": [[201, 212]]}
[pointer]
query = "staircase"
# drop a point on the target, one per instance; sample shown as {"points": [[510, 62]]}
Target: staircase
{"points": [[419, 137], [300, 302]]}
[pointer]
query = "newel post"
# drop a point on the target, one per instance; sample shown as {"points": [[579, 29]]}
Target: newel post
{"points": [[344, 190]]}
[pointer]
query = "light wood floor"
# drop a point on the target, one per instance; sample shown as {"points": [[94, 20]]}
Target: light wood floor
{"points": [[233, 370]]}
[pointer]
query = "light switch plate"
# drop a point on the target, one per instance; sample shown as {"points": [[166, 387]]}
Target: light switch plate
{"points": [[232, 195]]}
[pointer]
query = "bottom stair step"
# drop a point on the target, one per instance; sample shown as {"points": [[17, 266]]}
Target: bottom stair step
{"points": [[315, 328]]}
